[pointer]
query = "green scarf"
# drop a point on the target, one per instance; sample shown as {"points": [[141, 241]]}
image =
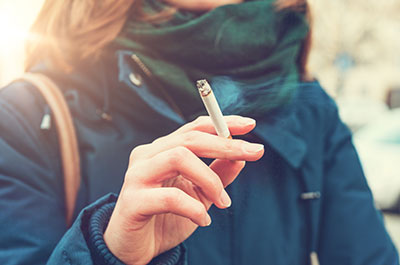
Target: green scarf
{"points": [[249, 42]]}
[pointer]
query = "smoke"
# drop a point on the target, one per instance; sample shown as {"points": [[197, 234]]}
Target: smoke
{"points": [[253, 98]]}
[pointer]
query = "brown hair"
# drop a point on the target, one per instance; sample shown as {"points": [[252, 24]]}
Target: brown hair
{"points": [[68, 31]]}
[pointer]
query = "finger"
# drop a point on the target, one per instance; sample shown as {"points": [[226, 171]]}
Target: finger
{"points": [[181, 161], [237, 125], [227, 170], [170, 200], [203, 145]]}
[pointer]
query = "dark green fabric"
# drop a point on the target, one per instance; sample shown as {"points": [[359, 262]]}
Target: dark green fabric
{"points": [[248, 42]]}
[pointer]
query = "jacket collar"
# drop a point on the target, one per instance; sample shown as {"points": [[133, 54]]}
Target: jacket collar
{"points": [[281, 132], [280, 128], [132, 75]]}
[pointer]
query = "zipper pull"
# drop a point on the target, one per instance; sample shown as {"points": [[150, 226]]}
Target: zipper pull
{"points": [[46, 120], [104, 115]]}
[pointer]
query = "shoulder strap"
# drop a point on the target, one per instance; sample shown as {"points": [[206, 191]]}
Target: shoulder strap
{"points": [[66, 136]]}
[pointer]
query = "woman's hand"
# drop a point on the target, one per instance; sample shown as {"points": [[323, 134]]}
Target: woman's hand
{"points": [[168, 189], [200, 5]]}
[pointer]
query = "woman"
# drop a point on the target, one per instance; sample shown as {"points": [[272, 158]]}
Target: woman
{"points": [[127, 69]]}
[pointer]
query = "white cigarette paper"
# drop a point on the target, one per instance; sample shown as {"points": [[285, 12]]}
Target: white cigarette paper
{"points": [[212, 107]]}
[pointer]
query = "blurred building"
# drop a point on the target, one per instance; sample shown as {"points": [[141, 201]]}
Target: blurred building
{"points": [[356, 57], [356, 47]]}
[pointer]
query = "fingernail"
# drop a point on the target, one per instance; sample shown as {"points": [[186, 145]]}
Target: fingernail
{"points": [[207, 220], [248, 121], [225, 199], [253, 148]]}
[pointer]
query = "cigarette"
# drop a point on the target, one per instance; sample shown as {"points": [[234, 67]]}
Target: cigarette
{"points": [[212, 107]]}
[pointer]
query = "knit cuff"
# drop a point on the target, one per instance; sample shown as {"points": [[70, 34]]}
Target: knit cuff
{"points": [[103, 256], [97, 225], [171, 257]]}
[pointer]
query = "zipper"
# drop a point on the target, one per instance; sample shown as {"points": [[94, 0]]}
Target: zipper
{"points": [[169, 99]]}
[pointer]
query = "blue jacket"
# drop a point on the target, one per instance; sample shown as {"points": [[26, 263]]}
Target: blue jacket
{"points": [[307, 194]]}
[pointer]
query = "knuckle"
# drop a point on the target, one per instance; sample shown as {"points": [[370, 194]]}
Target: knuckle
{"points": [[198, 212], [173, 199], [200, 120], [160, 139], [216, 184], [137, 152], [189, 137], [230, 144], [235, 145], [213, 187], [132, 175], [178, 155]]}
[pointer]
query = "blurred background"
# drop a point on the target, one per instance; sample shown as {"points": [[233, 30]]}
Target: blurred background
{"points": [[355, 56]]}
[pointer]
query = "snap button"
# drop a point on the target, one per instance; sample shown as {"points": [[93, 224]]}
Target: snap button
{"points": [[310, 195], [135, 79]]}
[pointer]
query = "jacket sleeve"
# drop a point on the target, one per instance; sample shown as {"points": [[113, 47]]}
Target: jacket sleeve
{"points": [[32, 213], [31, 204], [352, 230], [84, 242]]}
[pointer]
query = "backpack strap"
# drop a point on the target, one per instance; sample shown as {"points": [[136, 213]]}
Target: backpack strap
{"points": [[66, 136]]}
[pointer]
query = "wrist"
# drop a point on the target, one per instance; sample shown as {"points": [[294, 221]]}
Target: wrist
{"points": [[130, 249]]}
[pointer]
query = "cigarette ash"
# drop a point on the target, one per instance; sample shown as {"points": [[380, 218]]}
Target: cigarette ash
{"points": [[203, 87]]}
